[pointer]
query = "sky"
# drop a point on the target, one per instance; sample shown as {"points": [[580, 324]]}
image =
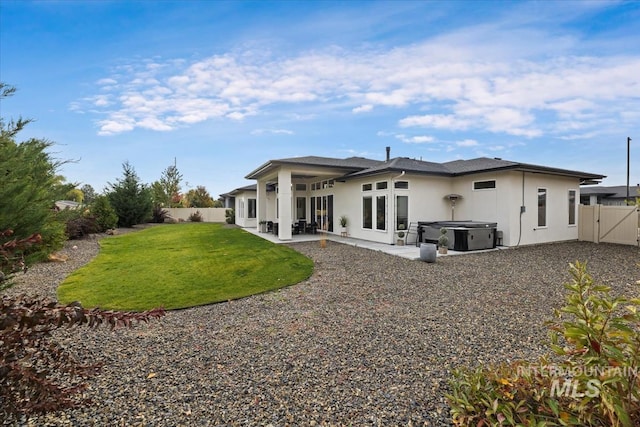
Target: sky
{"points": [[221, 87]]}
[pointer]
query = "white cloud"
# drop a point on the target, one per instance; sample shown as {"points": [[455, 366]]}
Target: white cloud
{"points": [[107, 82], [236, 115], [153, 123], [101, 100], [118, 123], [467, 143], [363, 109], [436, 121], [496, 148], [272, 131], [470, 79], [421, 139]]}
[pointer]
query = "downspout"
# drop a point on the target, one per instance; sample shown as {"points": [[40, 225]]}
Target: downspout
{"points": [[522, 209]]}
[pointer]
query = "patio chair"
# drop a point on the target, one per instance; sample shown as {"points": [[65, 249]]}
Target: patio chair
{"points": [[311, 228]]}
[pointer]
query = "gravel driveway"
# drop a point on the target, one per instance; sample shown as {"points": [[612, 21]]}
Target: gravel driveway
{"points": [[369, 339]]}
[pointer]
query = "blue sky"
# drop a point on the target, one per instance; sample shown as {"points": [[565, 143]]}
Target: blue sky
{"points": [[223, 86]]}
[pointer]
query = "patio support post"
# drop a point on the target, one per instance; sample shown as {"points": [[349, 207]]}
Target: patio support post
{"points": [[261, 202], [285, 201]]}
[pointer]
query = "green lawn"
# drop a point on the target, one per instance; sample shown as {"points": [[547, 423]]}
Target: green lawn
{"points": [[182, 265]]}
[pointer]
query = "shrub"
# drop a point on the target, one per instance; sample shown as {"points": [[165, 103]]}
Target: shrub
{"points": [[104, 213], [78, 223], [34, 367], [230, 216], [195, 217], [159, 215], [81, 226], [12, 258], [595, 383], [443, 240]]}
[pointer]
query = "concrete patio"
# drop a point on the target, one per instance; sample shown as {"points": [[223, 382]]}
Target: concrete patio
{"points": [[409, 251]]}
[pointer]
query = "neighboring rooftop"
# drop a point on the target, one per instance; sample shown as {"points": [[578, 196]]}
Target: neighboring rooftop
{"points": [[612, 192]]}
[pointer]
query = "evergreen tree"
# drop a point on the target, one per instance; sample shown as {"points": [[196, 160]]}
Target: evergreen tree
{"points": [[29, 185], [166, 191], [104, 213], [130, 198]]}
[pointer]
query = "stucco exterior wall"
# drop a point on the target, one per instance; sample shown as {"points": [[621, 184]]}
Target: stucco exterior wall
{"points": [[557, 227], [516, 189], [242, 200], [427, 202], [242, 209]]}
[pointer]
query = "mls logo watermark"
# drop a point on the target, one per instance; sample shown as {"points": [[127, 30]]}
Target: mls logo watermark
{"points": [[574, 388], [577, 382]]}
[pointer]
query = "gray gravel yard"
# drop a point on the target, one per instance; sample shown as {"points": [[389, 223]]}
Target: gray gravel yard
{"points": [[369, 339]]}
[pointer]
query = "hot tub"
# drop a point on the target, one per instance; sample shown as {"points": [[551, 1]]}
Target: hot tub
{"points": [[463, 235]]}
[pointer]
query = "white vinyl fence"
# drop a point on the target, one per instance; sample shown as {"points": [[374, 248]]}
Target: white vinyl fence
{"points": [[610, 224], [208, 214]]}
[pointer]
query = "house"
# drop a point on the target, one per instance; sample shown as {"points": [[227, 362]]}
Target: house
{"points": [[530, 203], [244, 201], [610, 196], [61, 205], [229, 199]]}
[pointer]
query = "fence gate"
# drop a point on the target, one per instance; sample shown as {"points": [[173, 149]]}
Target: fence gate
{"points": [[609, 224]]}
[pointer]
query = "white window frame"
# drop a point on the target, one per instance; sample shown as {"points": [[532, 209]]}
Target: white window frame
{"points": [[576, 202], [546, 205]]}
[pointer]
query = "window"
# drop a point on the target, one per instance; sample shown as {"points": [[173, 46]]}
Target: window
{"points": [[542, 207], [484, 185], [313, 186], [251, 208], [401, 185], [381, 212], [301, 187], [366, 187], [381, 185], [301, 208], [240, 212], [402, 212], [367, 212], [572, 207]]}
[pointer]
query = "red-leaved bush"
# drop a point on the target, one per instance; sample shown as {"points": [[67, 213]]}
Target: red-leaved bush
{"points": [[37, 374]]}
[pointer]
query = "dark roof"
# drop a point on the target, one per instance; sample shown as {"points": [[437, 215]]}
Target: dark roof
{"points": [[354, 167], [232, 193], [348, 164], [485, 164], [613, 192], [481, 164], [399, 164]]}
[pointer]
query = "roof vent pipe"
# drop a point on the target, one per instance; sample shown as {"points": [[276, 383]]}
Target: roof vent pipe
{"points": [[388, 153]]}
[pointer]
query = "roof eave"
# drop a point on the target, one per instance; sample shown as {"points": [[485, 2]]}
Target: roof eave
{"points": [[261, 170], [533, 169]]}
